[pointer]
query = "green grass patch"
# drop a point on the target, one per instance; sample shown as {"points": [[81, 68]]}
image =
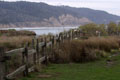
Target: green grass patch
{"points": [[98, 70]]}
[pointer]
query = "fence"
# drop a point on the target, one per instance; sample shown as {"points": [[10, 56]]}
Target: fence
{"points": [[36, 54]]}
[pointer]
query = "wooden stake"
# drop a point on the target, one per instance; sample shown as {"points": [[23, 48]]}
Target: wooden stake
{"points": [[2, 64]]}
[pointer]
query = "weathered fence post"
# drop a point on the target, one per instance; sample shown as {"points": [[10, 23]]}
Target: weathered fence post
{"points": [[71, 33], [26, 63], [34, 55], [58, 40], [62, 38], [45, 51], [2, 64], [50, 47], [37, 50], [25, 60], [53, 42], [33, 43], [42, 48]]}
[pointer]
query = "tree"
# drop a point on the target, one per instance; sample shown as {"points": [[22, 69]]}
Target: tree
{"points": [[89, 29], [118, 28], [102, 29], [112, 28]]}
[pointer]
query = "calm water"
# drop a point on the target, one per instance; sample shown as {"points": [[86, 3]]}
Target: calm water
{"points": [[43, 30]]}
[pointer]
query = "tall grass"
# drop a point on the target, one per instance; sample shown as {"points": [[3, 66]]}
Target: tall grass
{"points": [[102, 43], [85, 50], [14, 41]]}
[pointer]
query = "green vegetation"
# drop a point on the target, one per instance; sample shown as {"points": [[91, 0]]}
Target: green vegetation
{"points": [[98, 70], [92, 29], [112, 28]]}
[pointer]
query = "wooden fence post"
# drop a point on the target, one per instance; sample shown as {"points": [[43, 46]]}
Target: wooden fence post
{"points": [[50, 47], [26, 55], [25, 60], [53, 40], [42, 48], [71, 34], [52, 43], [33, 43], [37, 51], [45, 51], [34, 55], [64, 37], [2, 64], [59, 37]]}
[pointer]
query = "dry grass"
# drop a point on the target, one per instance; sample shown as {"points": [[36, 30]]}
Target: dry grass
{"points": [[14, 41], [102, 43], [86, 50], [13, 32]]}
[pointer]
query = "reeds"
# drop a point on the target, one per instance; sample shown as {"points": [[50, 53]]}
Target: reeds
{"points": [[86, 50], [14, 41]]}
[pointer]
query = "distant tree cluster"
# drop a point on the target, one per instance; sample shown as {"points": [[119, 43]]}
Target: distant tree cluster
{"points": [[93, 29]]}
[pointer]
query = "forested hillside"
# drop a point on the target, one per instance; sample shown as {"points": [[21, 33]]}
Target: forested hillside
{"points": [[31, 14]]}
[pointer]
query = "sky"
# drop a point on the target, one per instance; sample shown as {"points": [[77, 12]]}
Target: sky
{"points": [[111, 6]]}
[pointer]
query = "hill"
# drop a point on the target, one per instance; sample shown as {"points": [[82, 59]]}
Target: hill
{"points": [[31, 14]]}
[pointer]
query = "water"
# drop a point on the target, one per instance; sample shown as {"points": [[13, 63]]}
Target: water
{"points": [[43, 30]]}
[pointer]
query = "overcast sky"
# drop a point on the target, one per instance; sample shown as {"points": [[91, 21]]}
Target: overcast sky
{"points": [[111, 6]]}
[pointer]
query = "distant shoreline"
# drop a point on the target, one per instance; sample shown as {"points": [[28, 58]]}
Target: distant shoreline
{"points": [[39, 27], [43, 30]]}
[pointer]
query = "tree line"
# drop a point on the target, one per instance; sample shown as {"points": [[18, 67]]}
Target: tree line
{"points": [[93, 29]]}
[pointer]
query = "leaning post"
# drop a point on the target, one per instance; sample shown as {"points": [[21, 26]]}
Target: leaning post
{"points": [[2, 64]]}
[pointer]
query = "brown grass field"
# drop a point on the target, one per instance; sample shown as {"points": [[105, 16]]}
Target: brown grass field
{"points": [[86, 50], [13, 42]]}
